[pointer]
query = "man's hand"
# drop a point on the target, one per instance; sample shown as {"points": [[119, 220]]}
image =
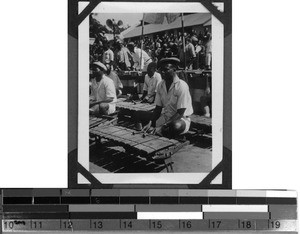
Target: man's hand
{"points": [[151, 99], [145, 100], [147, 127]]}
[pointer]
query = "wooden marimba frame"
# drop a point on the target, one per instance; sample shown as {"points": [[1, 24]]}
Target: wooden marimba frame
{"points": [[155, 148], [102, 121]]}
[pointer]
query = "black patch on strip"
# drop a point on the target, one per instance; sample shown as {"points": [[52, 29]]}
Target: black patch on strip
{"points": [[75, 200], [134, 200], [282, 201], [36, 208], [103, 215], [36, 216], [105, 200], [46, 200], [251, 200], [17, 200], [222, 200], [193, 200], [164, 200]]}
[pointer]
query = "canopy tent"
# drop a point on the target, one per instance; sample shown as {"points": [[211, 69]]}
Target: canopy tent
{"points": [[126, 31], [189, 20], [208, 23]]}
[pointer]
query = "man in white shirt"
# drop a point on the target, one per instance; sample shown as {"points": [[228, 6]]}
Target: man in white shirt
{"points": [[123, 57], [173, 102], [103, 91], [190, 52], [108, 55], [139, 63], [152, 79]]}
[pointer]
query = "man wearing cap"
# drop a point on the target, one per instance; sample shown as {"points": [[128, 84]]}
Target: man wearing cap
{"points": [[103, 91], [173, 102], [140, 63]]}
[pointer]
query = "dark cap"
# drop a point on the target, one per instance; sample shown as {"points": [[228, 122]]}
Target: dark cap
{"points": [[173, 60], [130, 44]]}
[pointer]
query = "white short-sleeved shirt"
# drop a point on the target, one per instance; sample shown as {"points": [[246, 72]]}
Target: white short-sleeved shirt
{"points": [[151, 83], [177, 97], [138, 62], [103, 90], [115, 78], [108, 56]]}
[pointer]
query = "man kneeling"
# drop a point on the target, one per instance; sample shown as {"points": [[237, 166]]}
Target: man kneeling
{"points": [[103, 91], [173, 102]]}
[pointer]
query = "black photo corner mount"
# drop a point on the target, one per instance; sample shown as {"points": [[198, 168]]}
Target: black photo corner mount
{"points": [[75, 168]]}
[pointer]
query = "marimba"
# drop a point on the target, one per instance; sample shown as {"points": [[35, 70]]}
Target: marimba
{"points": [[134, 105], [146, 145], [103, 120]]}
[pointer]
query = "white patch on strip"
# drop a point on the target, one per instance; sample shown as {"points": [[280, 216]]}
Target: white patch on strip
{"points": [[235, 208], [169, 215], [250, 193], [221, 193], [283, 194]]}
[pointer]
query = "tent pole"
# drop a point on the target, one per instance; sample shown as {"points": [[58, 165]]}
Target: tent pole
{"points": [[183, 41], [142, 41]]}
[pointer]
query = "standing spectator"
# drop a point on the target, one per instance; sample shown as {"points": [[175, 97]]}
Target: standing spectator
{"points": [[190, 52], [108, 55], [198, 49], [148, 51], [123, 57], [173, 49], [206, 35], [202, 54], [140, 63]]}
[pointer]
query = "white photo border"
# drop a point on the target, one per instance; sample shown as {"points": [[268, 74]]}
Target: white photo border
{"points": [[83, 92]]}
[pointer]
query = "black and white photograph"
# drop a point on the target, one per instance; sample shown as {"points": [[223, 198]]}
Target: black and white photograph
{"points": [[151, 92]]}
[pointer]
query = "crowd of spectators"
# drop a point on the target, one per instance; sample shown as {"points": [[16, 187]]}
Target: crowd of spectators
{"points": [[119, 54]]}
